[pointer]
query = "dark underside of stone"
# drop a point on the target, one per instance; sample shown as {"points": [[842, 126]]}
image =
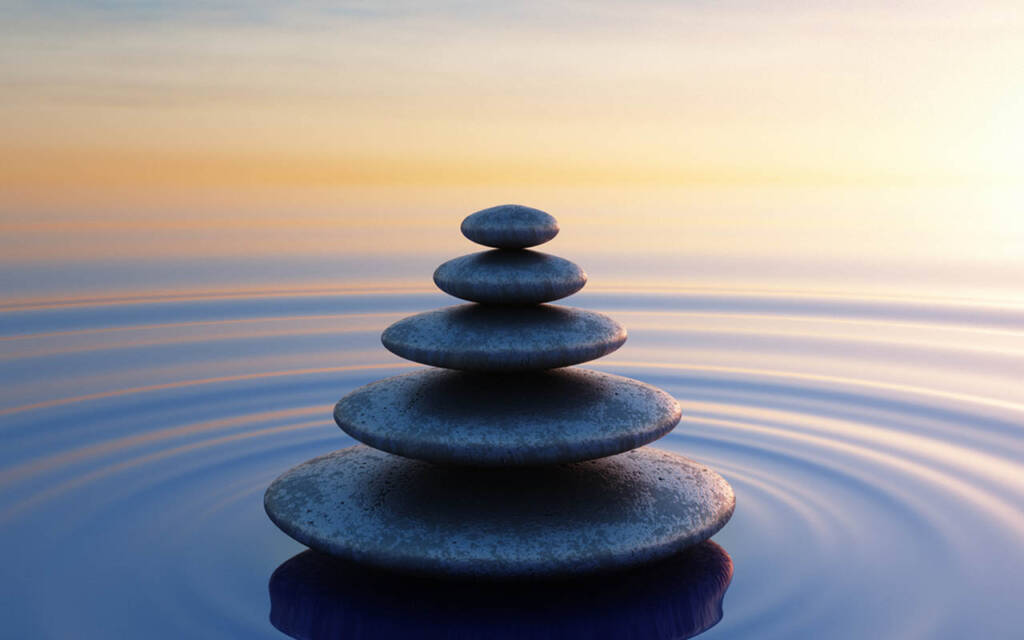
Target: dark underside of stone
{"points": [[510, 277], [371, 507], [319, 597], [476, 337], [457, 417]]}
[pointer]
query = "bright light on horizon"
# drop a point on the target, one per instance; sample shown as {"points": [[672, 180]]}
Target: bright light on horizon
{"points": [[860, 133]]}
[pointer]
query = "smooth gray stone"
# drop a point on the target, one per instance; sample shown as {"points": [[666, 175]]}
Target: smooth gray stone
{"points": [[510, 226], [502, 276], [375, 508], [477, 337], [458, 417]]}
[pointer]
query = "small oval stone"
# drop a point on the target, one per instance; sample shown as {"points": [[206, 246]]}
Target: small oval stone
{"points": [[501, 276], [375, 508], [510, 226], [477, 337], [459, 417]]}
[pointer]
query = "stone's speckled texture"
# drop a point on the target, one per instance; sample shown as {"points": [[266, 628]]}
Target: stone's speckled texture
{"points": [[563, 415], [510, 277], [317, 597], [395, 513], [476, 337], [510, 226]]}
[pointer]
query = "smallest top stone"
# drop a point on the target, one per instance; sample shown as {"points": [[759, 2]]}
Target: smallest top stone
{"points": [[510, 226]]}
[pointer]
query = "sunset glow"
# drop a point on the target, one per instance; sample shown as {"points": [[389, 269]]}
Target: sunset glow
{"points": [[730, 130]]}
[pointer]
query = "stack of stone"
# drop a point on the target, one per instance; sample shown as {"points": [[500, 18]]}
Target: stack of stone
{"points": [[501, 459]]}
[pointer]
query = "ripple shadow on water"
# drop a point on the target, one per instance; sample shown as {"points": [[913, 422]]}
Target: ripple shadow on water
{"points": [[875, 447], [315, 597]]}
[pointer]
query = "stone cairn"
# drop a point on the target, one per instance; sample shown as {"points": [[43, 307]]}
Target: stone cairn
{"points": [[501, 459]]}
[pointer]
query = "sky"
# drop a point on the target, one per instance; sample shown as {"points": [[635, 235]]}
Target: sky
{"points": [[173, 129]]}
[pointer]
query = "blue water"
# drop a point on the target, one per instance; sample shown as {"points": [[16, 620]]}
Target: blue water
{"points": [[875, 446]]}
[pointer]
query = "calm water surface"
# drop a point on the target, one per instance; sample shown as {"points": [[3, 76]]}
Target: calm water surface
{"points": [[875, 445]]}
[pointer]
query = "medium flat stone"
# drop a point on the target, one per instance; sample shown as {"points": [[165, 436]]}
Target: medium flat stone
{"points": [[317, 597], [390, 512], [510, 226], [510, 277], [459, 417], [484, 338]]}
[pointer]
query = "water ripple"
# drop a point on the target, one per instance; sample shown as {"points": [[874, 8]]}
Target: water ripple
{"points": [[875, 446]]}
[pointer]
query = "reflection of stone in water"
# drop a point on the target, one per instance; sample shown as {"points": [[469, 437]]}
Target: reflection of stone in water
{"points": [[315, 597]]}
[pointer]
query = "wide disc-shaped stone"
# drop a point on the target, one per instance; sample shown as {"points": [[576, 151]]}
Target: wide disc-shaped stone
{"points": [[391, 512], [459, 417], [510, 226], [510, 277], [485, 338]]}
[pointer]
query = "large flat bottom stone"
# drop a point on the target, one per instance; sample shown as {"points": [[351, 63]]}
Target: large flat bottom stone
{"points": [[544, 417], [375, 508], [317, 597]]}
